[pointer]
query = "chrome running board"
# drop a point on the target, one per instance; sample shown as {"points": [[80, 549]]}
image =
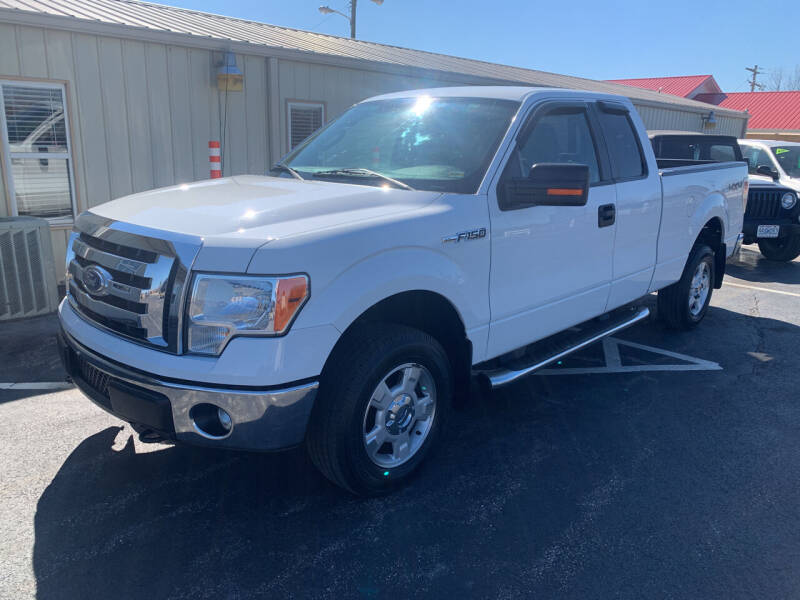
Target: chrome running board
{"points": [[533, 360]]}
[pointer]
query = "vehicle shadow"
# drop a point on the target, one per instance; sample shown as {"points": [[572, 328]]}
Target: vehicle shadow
{"points": [[117, 520], [751, 266], [546, 473]]}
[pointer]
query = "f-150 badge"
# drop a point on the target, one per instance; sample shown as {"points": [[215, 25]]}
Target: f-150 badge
{"points": [[474, 234]]}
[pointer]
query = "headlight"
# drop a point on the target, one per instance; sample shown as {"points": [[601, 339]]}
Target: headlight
{"points": [[788, 200], [222, 307]]}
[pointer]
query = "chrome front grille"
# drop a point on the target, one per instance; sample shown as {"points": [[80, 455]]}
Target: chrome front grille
{"points": [[129, 283]]}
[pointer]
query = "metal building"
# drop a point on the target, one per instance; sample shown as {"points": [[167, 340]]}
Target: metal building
{"points": [[102, 98]]}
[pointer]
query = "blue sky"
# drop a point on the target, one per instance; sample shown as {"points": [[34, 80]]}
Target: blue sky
{"points": [[599, 40]]}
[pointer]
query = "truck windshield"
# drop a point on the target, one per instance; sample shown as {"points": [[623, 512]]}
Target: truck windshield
{"points": [[437, 144], [789, 159]]}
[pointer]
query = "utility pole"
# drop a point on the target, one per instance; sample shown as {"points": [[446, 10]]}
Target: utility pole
{"points": [[327, 10], [753, 82]]}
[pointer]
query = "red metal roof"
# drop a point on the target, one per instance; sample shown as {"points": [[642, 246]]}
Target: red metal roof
{"points": [[768, 110], [677, 86]]}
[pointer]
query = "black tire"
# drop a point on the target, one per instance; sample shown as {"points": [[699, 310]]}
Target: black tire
{"points": [[673, 301], [780, 249], [335, 438]]}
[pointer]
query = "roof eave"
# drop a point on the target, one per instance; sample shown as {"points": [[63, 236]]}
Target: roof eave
{"points": [[77, 25]]}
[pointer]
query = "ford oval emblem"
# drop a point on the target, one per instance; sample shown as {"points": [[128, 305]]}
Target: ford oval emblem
{"points": [[96, 279]]}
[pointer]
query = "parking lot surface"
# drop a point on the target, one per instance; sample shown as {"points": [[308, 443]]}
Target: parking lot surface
{"points": [[661, 481]]}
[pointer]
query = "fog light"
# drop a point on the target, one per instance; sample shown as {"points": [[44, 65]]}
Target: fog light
{"points": [[211, 421], [224, 419]]}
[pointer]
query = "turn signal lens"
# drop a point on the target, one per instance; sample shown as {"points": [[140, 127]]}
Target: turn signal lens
{"points": [[564, 192], [291, 295]]}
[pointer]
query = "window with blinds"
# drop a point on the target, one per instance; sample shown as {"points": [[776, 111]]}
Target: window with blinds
{"points": [[37, 150], [304, 119]]}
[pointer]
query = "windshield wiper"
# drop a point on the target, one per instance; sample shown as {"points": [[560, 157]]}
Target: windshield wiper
{"points": [[359, 172], [287, 169]]}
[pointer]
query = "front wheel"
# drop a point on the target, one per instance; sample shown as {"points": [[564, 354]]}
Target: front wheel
{"points": [[381, 405], [683, 304], [780, 249]]}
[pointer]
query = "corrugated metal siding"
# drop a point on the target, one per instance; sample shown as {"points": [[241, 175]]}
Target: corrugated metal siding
{"points": [[341, 87], [3, 197], [141, 114], [664, 118]]}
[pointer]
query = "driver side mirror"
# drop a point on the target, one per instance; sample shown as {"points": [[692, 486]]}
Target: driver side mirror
{"points": [[768, 171], [549, 184]]}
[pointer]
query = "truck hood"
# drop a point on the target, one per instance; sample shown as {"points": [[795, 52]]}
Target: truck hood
{"points": [[249, 210], [785, 182]]}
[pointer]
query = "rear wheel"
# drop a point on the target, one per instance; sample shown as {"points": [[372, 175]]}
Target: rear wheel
{"points": [[381, 405], [683, 304], [780, 249]]}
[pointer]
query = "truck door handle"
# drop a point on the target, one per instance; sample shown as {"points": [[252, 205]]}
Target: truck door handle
{"points": [[606, 215]]}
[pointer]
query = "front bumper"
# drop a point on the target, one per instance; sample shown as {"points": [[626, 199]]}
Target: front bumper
{"points": [[787, 229], [263, 419]]}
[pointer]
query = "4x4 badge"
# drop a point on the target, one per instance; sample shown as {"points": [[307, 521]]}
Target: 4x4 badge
{"points": [[474, 234]]}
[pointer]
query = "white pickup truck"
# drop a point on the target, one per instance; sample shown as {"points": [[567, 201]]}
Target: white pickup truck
{"points": [[420, 240]]}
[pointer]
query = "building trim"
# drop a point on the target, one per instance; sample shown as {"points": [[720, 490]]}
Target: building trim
{"points": [[274, 103]]}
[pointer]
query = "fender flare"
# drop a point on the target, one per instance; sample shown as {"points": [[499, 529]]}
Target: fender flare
{"points": [[389, 272]]}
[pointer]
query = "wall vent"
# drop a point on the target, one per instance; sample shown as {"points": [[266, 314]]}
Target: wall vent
{"points": [[27, 270]]}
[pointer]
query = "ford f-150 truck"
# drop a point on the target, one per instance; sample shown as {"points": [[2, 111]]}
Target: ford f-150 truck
{"points": [[421, 241]]}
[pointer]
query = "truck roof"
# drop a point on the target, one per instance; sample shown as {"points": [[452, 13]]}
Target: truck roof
{"points": [[651, 133], [499, 92]]}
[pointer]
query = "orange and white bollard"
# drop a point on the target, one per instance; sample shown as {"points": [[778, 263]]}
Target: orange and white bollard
{"points": [[214, 160]]}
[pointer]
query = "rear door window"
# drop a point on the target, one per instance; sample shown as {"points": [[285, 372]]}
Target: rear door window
{"points": [[721, 153], [623, 145]]}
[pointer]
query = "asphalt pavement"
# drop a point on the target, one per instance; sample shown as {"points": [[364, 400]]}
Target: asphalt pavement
{"points": [[659, 465]]}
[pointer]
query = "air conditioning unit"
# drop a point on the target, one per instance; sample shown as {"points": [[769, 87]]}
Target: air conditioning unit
{"points": [[27, 270]]}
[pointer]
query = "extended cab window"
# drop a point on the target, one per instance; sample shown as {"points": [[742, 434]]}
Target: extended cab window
{"points": [[562, 136], [623, 145], [722, 153]]}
